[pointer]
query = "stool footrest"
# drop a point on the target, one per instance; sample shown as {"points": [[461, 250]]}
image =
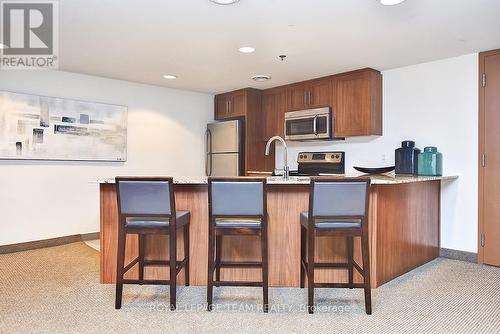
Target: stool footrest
{"points": [[339, 285], [150, 263], [236, 283], [146, 281], [226, 264], [330, 265]]}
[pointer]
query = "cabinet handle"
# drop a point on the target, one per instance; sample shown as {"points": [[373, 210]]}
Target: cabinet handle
{"points": [[230, 106], [305, 97], [309, 100], [227, 107]]}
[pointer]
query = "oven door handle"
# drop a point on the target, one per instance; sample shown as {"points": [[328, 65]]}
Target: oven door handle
{"points": [[315, 120]]}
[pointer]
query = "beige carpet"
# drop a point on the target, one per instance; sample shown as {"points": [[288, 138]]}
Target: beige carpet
{"points": [[56, 290]]}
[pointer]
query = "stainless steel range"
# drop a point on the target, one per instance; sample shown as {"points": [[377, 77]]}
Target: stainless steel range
{"points": [[317, 163]]}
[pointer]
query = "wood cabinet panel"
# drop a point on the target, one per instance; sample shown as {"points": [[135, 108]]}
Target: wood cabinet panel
{"points": [[406, 227], [238, 104], [358, 104], [297, 96], [320, 92], [352, 112], [221, 106], [274, 105], [309, 94], [254, 127]]}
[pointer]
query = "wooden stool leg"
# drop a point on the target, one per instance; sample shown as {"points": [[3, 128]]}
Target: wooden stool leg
{"points": [[210, 281], [303, 250], [350, 260], [310, 269], [173, 265], [186, 254], [366, 270], [218, 256], [265, 265], [120, 259], [141, 238]]}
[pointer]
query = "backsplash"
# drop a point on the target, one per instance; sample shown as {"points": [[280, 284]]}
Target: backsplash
{"points": [[363, 151]]}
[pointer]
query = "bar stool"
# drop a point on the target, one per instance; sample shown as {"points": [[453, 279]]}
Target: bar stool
{"points": [[337, 207], [236, 207], [146, 206]]}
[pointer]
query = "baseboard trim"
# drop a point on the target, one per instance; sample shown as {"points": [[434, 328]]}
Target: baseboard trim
{"points": [[24, 246], [458, 255], [90, 236]]}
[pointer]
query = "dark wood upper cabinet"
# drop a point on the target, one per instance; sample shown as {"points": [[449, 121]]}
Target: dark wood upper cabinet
{"points": [[357, 103], [221, 106], [309, 94], [297, 96], [274, 106], [238, 103], [231, 105], [320, 92]]}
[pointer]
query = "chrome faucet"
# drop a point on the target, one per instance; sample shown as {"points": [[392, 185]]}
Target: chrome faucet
{"points": [[286, 169]]}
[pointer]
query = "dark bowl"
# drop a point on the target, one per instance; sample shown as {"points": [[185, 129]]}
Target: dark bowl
{"points": [[377, 170]]}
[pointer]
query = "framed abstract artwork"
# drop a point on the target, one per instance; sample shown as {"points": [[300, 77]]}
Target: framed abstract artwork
{"points": [[49, 128]]}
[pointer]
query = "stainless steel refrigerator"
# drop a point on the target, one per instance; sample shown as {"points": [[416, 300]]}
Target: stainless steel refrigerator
{"points": [[224, 149]]}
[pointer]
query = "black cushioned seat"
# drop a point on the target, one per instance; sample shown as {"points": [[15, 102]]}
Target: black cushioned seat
{"points": [[182, 218], [238, 224], [326, 224]]}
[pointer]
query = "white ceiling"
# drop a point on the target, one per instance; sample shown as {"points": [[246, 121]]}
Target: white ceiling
{"points": [[198, 40]]}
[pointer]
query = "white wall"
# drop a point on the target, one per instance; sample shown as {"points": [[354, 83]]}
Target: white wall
{"points": [[40, 200], [434, 104]]}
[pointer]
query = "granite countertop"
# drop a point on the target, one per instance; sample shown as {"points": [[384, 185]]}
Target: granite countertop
{"points": [[388, 178]]}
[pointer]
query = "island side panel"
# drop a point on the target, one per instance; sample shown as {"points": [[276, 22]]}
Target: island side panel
{"points": [[407, 227]]}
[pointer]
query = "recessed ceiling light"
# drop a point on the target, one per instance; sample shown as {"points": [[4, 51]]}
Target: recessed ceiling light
{"points": [[224, 2], [169, 76], [391, 2], [261, 77], [246, 49]]}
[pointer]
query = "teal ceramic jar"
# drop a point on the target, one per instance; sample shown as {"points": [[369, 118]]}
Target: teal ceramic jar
{"points": [[430, 162]]}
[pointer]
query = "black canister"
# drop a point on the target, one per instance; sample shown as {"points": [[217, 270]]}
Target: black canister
{"points": [[406, 158]]}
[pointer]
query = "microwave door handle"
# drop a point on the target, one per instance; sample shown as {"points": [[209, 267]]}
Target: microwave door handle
{"points": [[315, 120]]}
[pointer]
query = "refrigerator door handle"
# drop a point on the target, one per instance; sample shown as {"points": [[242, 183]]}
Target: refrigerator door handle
{"points": [[208, 150]]}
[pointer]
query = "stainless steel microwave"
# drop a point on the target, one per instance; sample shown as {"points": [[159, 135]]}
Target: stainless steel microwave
{"points": [[309, 124]]}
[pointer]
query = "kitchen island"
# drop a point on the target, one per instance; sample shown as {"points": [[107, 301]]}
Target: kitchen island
{"points": [[404, 217]]}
